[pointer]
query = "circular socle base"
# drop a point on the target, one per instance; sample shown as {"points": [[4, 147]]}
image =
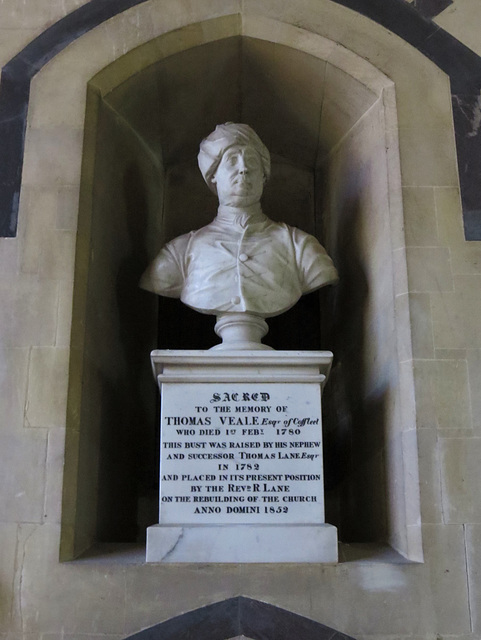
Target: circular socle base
{"points": [[241, 332]]}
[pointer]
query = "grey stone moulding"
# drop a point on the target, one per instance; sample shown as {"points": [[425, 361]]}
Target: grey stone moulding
{"points": [[239, 616], [408, 21], [431, 8]]}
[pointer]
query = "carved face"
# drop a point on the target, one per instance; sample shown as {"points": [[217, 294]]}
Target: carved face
{"points": [[239, 178]]}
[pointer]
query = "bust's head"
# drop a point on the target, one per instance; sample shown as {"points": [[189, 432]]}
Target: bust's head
{"points": [[235, 164], [239, 178]]}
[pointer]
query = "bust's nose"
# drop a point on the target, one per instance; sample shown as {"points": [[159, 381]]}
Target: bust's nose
{"points": [[242, 166]]}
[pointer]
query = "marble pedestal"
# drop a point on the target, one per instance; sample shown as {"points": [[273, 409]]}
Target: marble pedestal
{"points": [[241, 474]]}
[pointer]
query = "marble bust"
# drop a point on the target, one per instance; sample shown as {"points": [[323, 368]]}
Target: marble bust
{"points": [[242, 262]]}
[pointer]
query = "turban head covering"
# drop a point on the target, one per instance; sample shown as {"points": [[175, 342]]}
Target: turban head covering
{"points": [[216, 144]]}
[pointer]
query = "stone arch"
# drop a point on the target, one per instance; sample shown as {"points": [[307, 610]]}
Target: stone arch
{"points": [[239, 617]]}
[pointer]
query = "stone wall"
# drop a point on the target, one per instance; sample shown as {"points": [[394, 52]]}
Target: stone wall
{"points": [[373, 593]]}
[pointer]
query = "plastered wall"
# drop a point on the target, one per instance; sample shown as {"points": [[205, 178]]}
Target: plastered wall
{"points": [[368, 595]]}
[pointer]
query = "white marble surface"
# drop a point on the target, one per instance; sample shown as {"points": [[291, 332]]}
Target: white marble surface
{"points": [[240, 366], [242, 262], [241, 453], [242, 543], [241, 474]]}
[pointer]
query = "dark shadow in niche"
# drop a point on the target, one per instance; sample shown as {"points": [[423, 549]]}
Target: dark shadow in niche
{"points": [[240, 616], [354, 418], [298, 328], [128, 453], [183, 328]]}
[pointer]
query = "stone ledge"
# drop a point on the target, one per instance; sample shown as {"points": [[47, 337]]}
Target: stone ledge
{"points": [[242, 543]]}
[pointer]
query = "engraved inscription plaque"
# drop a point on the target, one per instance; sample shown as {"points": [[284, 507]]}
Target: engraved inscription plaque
{"points": [[241, 472], [241, 453]]}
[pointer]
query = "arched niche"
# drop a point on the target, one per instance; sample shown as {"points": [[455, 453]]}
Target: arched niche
{"points": [[329, 119]]}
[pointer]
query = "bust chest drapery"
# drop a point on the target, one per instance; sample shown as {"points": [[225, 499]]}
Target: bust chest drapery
{"points": [[241, 263]]}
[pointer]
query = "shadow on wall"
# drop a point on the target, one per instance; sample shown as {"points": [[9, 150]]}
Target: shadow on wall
{"points": [[128, 467], [354, 419]]}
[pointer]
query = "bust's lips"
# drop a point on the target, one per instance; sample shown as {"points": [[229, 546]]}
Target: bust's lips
{"points": [[242, 182]]}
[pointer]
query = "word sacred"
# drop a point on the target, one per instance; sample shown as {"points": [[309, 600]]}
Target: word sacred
{"points": [[261, 396]]}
